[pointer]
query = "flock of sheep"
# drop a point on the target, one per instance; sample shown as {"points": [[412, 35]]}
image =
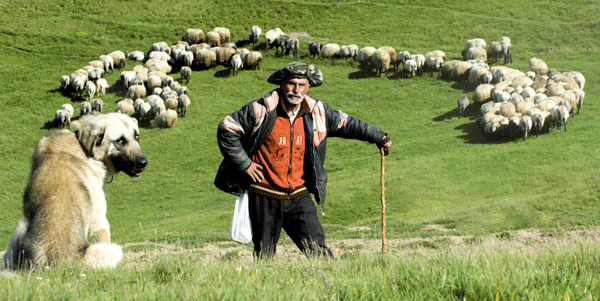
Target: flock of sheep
{"points": [[511, 103]]}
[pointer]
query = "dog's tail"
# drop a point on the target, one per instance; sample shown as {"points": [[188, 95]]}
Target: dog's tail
{"points": [[103, 256], [14, 258]]}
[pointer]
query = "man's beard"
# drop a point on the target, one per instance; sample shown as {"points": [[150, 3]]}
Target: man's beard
{"points": [[289, 96]]}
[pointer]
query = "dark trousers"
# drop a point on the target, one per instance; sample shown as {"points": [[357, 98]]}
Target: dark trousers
{"points": [[298, 217]]}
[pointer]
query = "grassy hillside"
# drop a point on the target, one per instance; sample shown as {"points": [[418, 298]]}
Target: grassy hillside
{"points": [[442, 170]]}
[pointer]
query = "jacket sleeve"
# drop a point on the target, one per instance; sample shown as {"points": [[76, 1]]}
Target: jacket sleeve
{"points": [[343, 125], [233, 131]]}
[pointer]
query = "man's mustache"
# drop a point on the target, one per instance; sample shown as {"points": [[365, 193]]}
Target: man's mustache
{"points": [[292, 94]]}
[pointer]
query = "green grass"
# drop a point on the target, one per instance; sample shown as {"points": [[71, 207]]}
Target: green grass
{"points": [[441, 170]]}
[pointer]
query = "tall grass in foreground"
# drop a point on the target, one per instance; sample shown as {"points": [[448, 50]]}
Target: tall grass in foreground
{"points": [[564, 270]]}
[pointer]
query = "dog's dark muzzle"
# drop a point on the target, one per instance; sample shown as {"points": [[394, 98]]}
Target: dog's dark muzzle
{"points": [[133, 167]]}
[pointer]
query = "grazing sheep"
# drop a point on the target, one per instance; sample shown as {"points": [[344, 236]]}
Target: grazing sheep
{"points": [[118, 58], [349, 51], [476, 73], [279, 42], [494, 51], [154, 81], [401, 57], [476, 53], [193, 36], [292, 46], [125, 106], [65, 80], [224, 34], [137, 104], [102, 85], [69, 108], [224, 55], [206, 58], [254, 34], [580, 96], [420, 60], [435, 64], [136, 56], [213, 39], [172, 103], [330, 51], [97, 105], [159, 55], [506, 49], [236, 63], [108, 63], [158, 65], [136, 91], [507, 109], [561, 116], [381, 61], [314, 49], [363, 57], [483, 93], [85, 108], [145, 111], [537, 121], [538, 66], [62, 118], [186, 73], [579, 78], [188, 58], [480, 43], [166, 118], [447, 68], [525, 125], [463, 104], [410, 67], [168, 81], [96, 64], [273, 34], [90, 88], [461, 70], [184, 103], [253, 60], [242, 52], [95, 73]]}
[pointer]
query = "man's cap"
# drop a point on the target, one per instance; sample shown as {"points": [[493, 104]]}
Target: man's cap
{"points": [[297, 70]]}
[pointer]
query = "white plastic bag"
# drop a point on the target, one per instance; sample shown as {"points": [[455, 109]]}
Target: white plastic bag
{"points": [[240, 228]]}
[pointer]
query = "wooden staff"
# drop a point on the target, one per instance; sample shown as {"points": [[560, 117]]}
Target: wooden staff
{"points": [[383, 248]]}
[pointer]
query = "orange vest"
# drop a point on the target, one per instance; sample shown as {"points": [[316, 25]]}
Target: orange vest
{"points": [[282, 155]]}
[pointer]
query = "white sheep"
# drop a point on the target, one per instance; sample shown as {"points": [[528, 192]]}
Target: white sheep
{"points": [[90, 88], [254, 34], [118, 58], [145, 111], [62, 118], [186, 73], [159, 55], [85, 108], [381, 61], [236, 64], [167, 81], [538, 66], [188, 58], [506, 49], [136, 91], [172, 103], [166, 118], [525, 125], [410, 67], [435, 64], [578, 78], [253, 60], [561, 116], [184, 103], [206, 58], [65, 80], [273, 34], [136, 56], [108, 62], [137, 105], [472, 43], [125, 106], [102, 85], [463, 104], [330, 51], [97, 105], [193, 36], [69, 108], [224, 34], [420, 60]]}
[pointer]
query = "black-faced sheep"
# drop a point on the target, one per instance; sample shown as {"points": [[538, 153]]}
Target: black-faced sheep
{"points": [[314, 49], [292, 46]]}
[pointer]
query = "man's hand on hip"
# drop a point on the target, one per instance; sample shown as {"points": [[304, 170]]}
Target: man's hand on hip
{"points": [[255, 171]]}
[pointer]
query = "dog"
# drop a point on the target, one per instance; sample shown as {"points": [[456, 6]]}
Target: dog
{"points": [[64, 198]]}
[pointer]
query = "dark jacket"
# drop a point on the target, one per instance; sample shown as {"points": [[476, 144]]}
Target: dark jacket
{"points": [[242, 132]]}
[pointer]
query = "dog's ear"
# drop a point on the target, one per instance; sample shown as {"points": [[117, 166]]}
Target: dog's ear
{"points": [[90, 135]]}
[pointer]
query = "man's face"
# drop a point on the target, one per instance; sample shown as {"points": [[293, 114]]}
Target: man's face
{"points": [[294, 89]]}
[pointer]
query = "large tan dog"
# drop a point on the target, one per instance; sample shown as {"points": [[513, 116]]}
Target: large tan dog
{"points": [[64, 199]]}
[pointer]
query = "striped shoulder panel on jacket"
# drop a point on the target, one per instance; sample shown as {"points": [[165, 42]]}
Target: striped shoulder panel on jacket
{"points": [[261, 108], [319, 119], [230, 125]]}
